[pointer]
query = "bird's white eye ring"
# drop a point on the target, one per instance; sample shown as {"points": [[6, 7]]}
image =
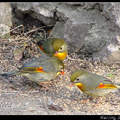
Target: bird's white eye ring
{"points": [[60, 48], [77, 79]]}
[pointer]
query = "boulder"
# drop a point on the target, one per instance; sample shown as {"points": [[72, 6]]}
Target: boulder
{"points": [[5, 20], [89, 28]]}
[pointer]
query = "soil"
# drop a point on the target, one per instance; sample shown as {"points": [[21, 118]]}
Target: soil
{"points": [[20, 96]]}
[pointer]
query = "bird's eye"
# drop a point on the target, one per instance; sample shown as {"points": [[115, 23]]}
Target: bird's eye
{"points": [[60, 48], [77, 79]]}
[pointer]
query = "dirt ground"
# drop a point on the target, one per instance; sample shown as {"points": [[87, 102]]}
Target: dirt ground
{"points": [[20, 96]]}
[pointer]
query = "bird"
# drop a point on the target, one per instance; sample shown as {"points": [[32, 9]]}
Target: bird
{"points": [[39, 70], [54, 47], [92, 84]]}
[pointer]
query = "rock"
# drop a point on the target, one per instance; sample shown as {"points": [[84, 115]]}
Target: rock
{"points": [[58, 30], [4, 31], [90, 32], [89, 28], [114, 54], [5, 20], [42, 11], [18, 53]]}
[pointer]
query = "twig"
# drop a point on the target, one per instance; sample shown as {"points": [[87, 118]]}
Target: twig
{"points": [[33, 30], [72, 59], [36, 30], [12, 30]]}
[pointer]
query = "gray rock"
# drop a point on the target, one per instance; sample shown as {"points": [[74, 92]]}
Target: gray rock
{"points": [[58, 30], [90, 32], [89, 28], [4, 31], [42, 11], [5, 19]]}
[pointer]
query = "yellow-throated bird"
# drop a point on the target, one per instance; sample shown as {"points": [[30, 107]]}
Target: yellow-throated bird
{"points": [[40, 69], [93, 84], [54, 47]]}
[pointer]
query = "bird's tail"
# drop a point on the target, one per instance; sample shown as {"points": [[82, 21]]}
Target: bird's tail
{"points": [[9, 74], [118, 86]]}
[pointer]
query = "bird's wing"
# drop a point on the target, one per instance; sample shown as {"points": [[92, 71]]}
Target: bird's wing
{"points": [[48, 47], [38, 65], [93, 81]]}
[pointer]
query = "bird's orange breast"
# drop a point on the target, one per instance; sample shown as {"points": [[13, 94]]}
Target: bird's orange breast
{"points": [[60, 55], [80, 86]]}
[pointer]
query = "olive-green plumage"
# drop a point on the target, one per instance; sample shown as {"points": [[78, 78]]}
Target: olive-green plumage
{"points": [[92, 84], [40, 69], [54, 47]]}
